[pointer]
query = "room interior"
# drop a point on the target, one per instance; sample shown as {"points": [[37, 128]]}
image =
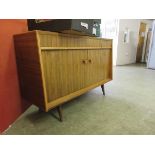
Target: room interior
{"points": [[125, 108]]}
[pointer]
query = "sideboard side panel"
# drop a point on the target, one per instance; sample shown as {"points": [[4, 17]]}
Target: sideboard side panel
{"points": [[29, 70]]}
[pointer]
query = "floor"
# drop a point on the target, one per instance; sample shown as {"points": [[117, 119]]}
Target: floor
{"points": [[127, 108]]}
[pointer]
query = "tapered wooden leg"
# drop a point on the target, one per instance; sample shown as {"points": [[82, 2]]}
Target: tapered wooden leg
{"points": [[59, 109], [103, 91]]}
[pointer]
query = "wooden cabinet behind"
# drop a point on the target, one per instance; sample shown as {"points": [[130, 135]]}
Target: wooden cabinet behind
{"points": [[54, 68]]}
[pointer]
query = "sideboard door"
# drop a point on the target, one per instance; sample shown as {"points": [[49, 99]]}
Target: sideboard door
{"points": [[99, 67], [64, 72]]}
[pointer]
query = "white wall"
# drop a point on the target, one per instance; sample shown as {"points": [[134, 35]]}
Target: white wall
{"points": [[126, 52]]}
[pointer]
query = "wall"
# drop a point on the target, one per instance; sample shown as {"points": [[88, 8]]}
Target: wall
{"points": [[10, 102], [126, 52]]}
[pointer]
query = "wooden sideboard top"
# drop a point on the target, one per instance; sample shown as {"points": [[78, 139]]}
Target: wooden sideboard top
{"points": [[62, 34]]}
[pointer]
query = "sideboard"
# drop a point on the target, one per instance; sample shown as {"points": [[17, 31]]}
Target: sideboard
{"points": [[54, 67]]}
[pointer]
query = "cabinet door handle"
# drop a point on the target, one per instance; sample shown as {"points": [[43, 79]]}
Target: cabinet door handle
{"points": [[85, 61], [90, 61]]}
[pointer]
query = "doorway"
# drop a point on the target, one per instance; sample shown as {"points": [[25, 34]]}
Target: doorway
{"points": [[147, 46], [141, 38]]}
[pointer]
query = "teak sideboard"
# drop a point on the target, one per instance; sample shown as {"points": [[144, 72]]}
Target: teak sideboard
{"points": [[54, 68]]}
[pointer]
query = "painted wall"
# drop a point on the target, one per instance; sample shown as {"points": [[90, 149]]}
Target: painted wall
{"points": [[11, 105], [126, 52]]}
